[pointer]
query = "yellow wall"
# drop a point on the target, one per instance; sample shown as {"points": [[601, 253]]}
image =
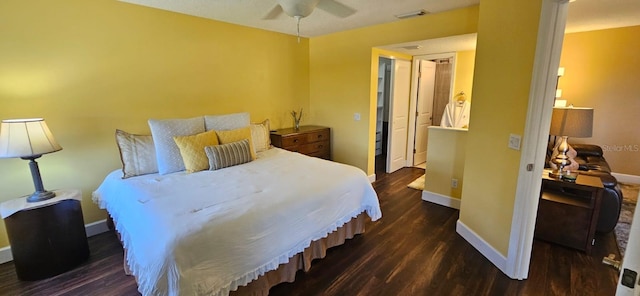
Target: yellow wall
{"points": [[501, 85], [463, 80], [340, 77], [89, 67], [446, 152], [601, 71]]}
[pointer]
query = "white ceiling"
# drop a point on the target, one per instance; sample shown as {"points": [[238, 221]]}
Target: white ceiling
{"points": [[584, 15]]}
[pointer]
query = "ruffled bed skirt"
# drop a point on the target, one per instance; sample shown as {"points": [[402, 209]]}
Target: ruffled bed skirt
{"points": [[301, 261]]}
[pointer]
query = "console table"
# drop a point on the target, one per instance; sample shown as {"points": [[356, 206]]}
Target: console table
{"points": [[568, 211]]}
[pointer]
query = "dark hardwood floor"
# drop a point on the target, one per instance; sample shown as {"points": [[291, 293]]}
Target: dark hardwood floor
{"points": [[412, 250]]}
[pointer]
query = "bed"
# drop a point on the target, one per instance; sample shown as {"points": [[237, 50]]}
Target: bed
{"points": [[253, 224]]}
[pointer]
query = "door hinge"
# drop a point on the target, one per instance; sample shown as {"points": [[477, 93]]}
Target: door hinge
{"points": [[414, 151], [417, 113]]}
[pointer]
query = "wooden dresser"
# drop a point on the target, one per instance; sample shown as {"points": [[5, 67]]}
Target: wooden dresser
{"points": [[310, 140]]}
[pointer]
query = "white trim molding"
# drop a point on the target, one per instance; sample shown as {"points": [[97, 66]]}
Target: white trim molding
{"points": [[91, 229], [5, 254], [543, 84], [624, 178], [499, 260], [372, 178], [96, 228], [443, 200]]}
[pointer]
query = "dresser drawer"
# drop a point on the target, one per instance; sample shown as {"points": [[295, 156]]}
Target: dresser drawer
{"points": [[321, 135], [290, 141], [315, 149]]}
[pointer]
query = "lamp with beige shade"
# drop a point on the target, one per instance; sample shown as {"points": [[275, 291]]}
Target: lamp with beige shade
{"points": [[568, 122]]}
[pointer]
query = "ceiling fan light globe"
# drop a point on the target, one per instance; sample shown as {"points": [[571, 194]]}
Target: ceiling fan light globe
{"points": [[298, 8]]}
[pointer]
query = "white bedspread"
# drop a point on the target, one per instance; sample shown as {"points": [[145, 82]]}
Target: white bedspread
{"points": [[212, 231]]}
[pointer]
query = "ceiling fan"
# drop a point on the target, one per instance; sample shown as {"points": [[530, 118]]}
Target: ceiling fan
{"points": [[299, 9]]}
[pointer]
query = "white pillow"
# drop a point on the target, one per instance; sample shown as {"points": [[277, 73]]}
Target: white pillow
{"points": [[167, 152], [137, 153], [261, 136], [226, 121]]}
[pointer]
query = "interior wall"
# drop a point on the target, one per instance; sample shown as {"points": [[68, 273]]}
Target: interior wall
{"points": [[446, 152], [601, 71], [90, 67], [463, 80], [341, 75], [501, 86]]}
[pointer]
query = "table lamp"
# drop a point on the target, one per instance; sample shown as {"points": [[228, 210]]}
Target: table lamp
{"points": [[569, 122], [28, 139]]}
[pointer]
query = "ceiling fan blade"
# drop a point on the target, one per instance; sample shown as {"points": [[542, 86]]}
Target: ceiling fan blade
{"points": [[273, 13], [336, 8]]}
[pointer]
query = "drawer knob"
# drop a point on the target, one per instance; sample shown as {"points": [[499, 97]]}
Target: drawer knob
{"points": [[295, 140], [319, 136]]}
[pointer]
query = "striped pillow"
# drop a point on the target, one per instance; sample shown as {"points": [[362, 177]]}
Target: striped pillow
{"points": [[226, 155]]}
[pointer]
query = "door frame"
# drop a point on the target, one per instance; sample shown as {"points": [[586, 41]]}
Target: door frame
{"points": [[376, 54], [551, 29], [411, 133]]}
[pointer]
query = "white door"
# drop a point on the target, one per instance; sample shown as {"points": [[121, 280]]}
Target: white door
{"points": [[631, 260], [399, 119], [424, 108]]}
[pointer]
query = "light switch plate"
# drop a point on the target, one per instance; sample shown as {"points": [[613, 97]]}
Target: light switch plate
{"points": [[514, 141]]}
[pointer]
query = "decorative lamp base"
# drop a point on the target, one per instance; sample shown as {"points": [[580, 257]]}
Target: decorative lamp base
{"points": [[40, 196], [557, 174]]}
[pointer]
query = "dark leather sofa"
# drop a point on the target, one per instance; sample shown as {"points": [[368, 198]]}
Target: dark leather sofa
{"points": [[592, 162]]}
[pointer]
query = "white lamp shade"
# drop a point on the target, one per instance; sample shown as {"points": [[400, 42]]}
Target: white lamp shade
{"points": [[26, 138], [572, 122]]}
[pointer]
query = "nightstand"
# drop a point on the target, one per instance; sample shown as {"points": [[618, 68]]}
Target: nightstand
{"points": [[47, 238], [309, 140], [568, 211]]}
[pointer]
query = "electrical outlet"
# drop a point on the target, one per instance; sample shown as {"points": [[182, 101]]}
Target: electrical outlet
{"points": [[356, 116], [454, 183], [629, 278], [514, 141]]}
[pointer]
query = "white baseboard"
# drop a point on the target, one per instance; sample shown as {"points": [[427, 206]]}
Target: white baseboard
{"points": [[440, 199], [5, 254], [499, 260], [91, 230], [372, 178], [624, 178], [96, 227]]}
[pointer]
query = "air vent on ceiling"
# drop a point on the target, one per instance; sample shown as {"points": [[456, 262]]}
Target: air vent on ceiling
{"points": [[411, 47], [412, 14]]}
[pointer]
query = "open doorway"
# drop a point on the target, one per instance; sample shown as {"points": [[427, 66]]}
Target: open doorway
{"points": [[432, 89], [459, 52], [382, 114], [392, 104]]}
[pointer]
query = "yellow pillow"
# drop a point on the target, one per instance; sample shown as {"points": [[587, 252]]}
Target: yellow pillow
{"points": [[230, 136], [192, 150]]}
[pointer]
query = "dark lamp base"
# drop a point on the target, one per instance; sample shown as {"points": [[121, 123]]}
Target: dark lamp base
{"points": [[40, 196]]}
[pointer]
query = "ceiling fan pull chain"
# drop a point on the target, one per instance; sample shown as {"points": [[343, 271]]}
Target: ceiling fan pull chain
{"points": [[297, 17]]}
